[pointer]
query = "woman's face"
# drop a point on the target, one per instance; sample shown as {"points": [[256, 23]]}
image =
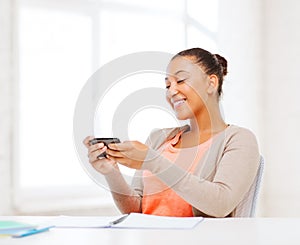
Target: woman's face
{"points": [[186, 85]]}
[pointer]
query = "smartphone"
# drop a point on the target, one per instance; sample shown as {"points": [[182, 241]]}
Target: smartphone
{"points": [[105, 141]]}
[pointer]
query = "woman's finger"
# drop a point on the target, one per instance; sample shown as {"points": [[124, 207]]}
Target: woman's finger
{"points": [[95, 147], [121, 160], [93, 156], [124, 146], [113, 153], [86, 141]]}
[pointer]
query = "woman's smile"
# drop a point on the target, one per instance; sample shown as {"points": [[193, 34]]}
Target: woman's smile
{"points": [[178, 102]]}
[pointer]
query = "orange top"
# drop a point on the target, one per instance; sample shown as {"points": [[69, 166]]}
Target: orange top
{"points": [[159, 199]]}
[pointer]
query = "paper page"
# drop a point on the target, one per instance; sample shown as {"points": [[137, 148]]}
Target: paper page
{"points": [[83, 221], [144, 221]]}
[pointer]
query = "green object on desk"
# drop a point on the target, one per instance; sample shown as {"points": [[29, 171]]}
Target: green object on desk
{"points": [[11, 227]]}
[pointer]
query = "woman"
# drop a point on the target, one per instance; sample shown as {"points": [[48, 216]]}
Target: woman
{"points": [[207, 168]]}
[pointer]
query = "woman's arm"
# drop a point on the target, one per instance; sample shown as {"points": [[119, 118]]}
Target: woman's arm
{"points": [[126, 199]]}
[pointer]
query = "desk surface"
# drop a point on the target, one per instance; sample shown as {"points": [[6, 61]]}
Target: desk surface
{"points": [[252, 231]]}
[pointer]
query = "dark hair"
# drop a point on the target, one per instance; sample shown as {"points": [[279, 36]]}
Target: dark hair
{"points": [[211, 63]]}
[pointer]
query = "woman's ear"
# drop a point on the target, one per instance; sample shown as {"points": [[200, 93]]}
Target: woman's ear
{"points": [[213, 84]]}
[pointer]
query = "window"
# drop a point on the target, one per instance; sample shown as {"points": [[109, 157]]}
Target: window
{"points": [[61, 43]]}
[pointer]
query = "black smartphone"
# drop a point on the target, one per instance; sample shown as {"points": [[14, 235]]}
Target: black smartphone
{"points": [[105, 141]]}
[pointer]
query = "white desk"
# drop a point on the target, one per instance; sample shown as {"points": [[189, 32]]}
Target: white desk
{"points": [[252, 231]]}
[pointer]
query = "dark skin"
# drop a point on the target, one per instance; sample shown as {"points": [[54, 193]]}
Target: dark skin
{"points": [[193, 96], [198, 94]]}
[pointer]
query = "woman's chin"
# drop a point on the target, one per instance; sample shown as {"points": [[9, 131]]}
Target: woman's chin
{"points": [[182, 116]]}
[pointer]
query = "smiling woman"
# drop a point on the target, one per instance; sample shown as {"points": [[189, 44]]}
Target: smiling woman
{"points": [[206, 168], [209, 73]]}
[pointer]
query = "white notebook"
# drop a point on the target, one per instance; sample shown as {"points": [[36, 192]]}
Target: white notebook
{"points": [[145, 221], [128, 221]]}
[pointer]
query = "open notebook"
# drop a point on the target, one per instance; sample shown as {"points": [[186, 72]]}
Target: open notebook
{"points": [[132, 220]]}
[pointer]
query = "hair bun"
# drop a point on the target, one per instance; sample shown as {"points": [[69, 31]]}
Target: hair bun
{"points": [[223, 63]]}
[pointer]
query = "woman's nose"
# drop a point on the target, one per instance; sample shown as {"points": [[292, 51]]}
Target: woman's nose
{"points": [[172, 90]]}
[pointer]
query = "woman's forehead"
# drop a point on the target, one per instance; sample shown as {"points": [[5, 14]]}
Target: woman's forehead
{"points": [[182, 65]]}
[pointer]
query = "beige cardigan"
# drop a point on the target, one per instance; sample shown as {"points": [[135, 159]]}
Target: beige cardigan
{"points": [[224, 185]]}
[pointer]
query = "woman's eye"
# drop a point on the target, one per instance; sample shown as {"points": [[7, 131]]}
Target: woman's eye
{"points": [[178, 82], [181, 81]]}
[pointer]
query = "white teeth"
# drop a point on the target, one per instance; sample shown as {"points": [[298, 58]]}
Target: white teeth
{"points": [[178, 103]]}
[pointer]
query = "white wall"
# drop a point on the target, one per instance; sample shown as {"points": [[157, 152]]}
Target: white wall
{"points": [[6, 106], [239, 40], [261, 41], [282, 110]]}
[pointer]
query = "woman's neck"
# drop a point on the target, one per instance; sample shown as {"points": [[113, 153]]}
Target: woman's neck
{"points": [[200, 133], [208, 122]]}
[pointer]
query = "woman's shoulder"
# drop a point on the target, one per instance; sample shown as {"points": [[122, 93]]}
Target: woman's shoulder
{"points": [[237, 136], [236, 140], [238, 131]]}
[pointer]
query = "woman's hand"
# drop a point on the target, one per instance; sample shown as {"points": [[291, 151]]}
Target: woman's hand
{"points": [[129, 153], [102, 165]]}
